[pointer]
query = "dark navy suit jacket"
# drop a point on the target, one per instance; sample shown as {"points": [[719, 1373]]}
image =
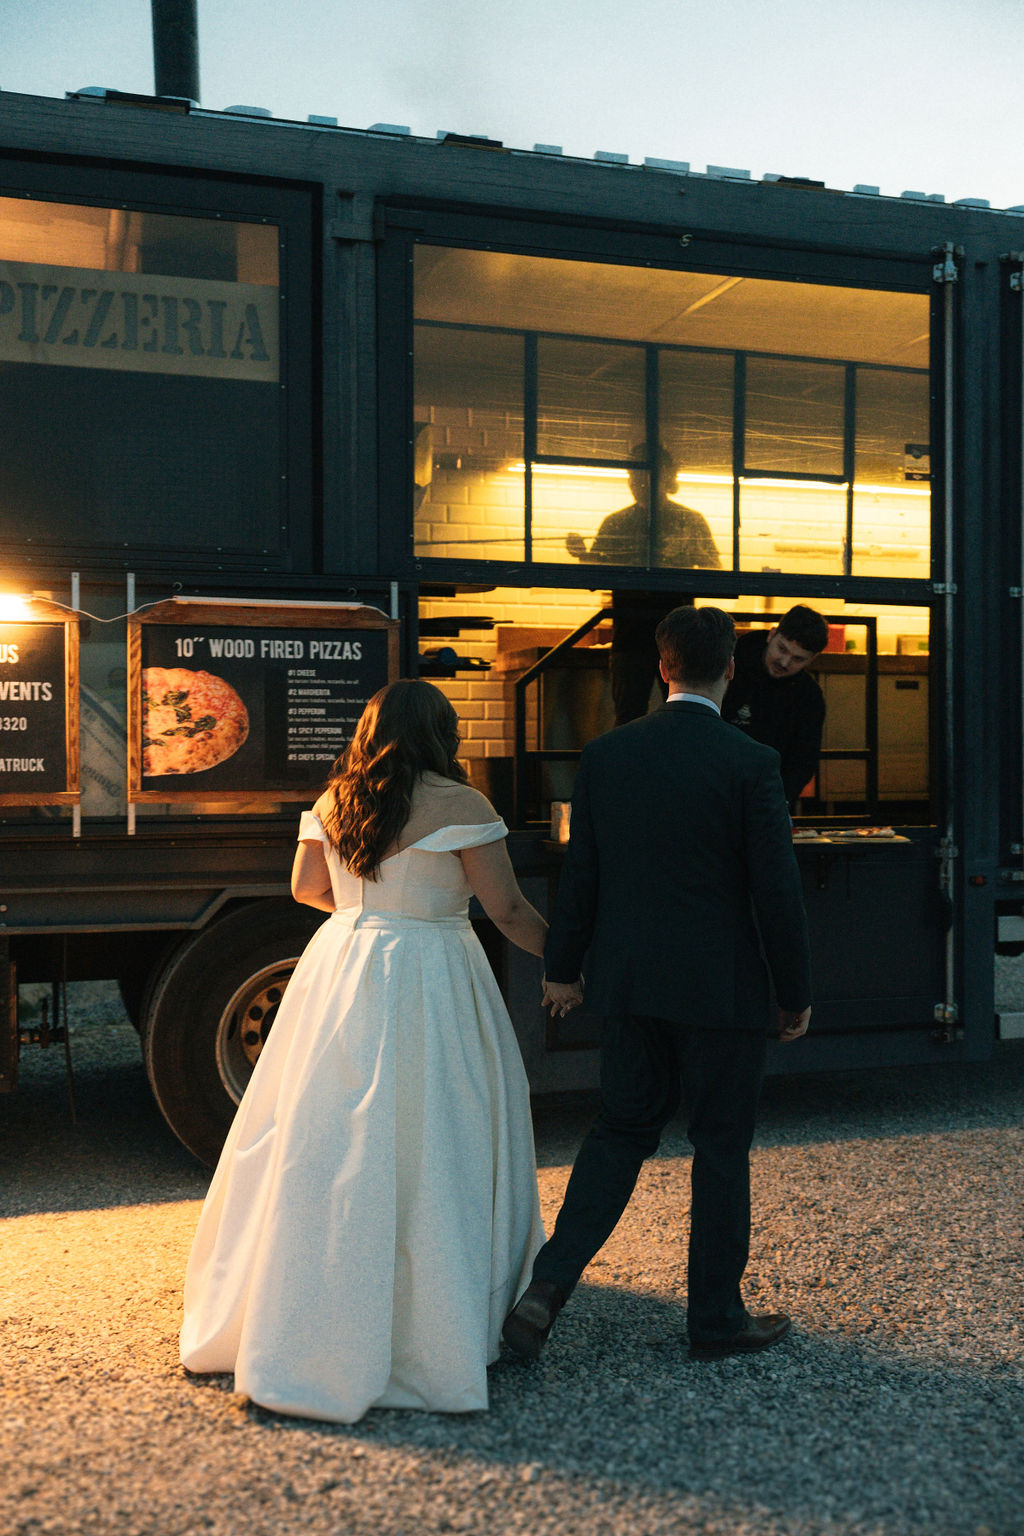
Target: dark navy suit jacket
{"points": [[680, 877]]}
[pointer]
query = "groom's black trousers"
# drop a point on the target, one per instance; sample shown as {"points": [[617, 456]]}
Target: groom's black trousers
{"points": [[645, 1064]]}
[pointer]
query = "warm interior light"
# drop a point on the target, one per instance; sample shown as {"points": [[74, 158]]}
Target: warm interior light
{"points": [[921, 491], [792, 485], [14, 606], [687, 477], [568, 471]]}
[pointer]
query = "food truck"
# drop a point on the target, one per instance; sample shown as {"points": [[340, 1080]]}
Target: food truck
{"points": [[290, 409]]}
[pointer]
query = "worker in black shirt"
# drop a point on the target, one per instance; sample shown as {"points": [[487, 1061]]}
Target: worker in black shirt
{"points": [[773, 698]]}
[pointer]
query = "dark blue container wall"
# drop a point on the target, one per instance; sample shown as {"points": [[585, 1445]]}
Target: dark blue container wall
{"points": [[986, 714]]}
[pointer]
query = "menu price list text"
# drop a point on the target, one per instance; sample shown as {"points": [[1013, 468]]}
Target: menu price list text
{"points": [[323, 710]]}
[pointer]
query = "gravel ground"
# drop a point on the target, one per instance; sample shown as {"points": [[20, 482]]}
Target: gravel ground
{"points": [[887, 1220]]}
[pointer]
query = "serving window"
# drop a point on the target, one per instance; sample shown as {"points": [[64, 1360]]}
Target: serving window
{"points": [[732, 423], [140, 380]]}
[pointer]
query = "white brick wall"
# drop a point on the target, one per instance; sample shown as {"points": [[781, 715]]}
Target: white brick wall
{"points": [[485, 701]]}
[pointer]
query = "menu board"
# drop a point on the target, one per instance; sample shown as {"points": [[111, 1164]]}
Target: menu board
{"points": [[39, 762], [237, 701]]}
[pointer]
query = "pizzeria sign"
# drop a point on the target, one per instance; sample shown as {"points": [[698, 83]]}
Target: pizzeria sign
{"points": [[80, 317]]}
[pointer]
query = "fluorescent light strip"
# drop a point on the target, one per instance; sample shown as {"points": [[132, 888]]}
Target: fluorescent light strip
{"points": [[570, 472], [789, 485]]}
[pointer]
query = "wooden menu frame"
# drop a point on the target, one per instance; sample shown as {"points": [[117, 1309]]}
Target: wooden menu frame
{"points": [[40, 611], [210, 615]]}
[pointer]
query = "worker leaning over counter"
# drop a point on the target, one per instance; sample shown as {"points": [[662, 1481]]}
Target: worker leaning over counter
{"points": [[773, 698]]}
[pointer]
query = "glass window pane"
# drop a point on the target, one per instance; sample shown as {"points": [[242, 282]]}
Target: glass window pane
{"points": [[152, 340], [892, 494], [797, 343], [794, 417], [570, 504], [603, 518], [590, 399], [127, 240], [695, 413], [696, 409], [792, 526], [469, 480], [670, 307]]}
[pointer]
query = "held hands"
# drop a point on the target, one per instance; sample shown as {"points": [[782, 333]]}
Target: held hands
{"points": [[561, 996], [793, 1025], [575, 545]]}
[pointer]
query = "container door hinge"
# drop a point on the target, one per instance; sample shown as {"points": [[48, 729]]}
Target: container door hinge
{"points": [[944, 588], [948, 853], [945, 271], [946, 1017], [1015, 259], [1013, 876]]}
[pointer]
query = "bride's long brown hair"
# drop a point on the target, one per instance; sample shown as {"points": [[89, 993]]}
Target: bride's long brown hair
{"points": [[406, 729]]}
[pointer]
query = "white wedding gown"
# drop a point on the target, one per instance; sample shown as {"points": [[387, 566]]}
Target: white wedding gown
{"points": [[374, 1214]]}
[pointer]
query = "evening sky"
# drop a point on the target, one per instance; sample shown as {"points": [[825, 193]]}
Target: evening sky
{"points": [[894, 93]]}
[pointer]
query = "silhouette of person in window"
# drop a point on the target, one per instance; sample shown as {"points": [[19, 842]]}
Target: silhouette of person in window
{"points": [[682, 539]]}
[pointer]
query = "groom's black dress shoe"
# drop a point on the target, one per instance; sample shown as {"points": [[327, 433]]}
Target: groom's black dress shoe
{"points": [[527, 1326], [756, 1333]]}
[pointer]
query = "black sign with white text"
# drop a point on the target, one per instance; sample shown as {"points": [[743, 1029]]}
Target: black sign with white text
{"points": [[33, 710], [250, 708]]}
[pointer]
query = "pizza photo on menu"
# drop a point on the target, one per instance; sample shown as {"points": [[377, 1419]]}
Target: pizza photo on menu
{"points": [[190, 721]]}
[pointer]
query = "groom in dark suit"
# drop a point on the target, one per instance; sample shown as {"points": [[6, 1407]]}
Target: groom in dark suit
{"points": [[680, 881]]}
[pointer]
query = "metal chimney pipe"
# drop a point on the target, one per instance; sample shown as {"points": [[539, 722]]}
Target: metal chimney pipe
{"points": [[176, 48]]}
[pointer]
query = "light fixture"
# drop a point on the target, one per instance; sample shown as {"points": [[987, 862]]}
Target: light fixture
{"points": [[14, 606], [922, 493], [569, 471], [792, 485]]}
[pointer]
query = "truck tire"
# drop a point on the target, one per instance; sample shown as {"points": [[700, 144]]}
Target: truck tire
{"points": [[140, 968], [209, 1013]]}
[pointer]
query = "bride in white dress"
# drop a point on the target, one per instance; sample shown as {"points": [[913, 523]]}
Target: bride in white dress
{"points": [[374, 1216]]}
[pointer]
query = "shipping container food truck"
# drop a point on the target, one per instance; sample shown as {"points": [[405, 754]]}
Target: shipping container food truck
{"points": [[290, 409]]}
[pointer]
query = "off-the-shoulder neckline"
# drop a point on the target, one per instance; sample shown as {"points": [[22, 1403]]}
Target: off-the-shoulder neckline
{"points": [[453, 826]]}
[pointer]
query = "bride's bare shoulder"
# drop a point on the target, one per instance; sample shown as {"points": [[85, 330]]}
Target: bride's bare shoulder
{"points": [[461, 803]]}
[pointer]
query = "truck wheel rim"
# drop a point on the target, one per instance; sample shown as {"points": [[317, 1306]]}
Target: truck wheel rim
{"points": [[245, 1023]]}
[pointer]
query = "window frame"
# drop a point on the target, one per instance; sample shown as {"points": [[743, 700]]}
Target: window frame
{"points": [[403, 228], [292, 209]]}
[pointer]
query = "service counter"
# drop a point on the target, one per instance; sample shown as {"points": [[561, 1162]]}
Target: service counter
{"points": [[877, 930], [877, 921]]}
